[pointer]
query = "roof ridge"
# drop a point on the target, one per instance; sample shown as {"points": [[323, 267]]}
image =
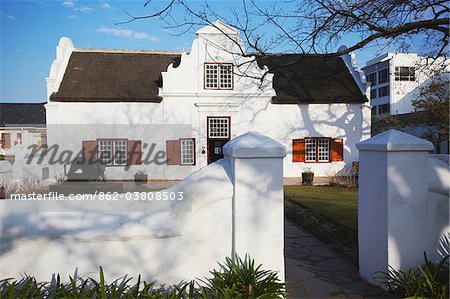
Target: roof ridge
{"points": [[22, 103], [125, 51]]}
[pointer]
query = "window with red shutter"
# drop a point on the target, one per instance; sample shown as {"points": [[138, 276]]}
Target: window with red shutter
{"points": [[6, 140], [173, 152], [298, 150], [89, 148], [337, 149]]}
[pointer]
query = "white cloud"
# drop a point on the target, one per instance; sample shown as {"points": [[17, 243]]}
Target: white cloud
{"points": [[10, 17], [84, 9], [68, 4], [77, 7], [128, 34], [106, 6], [72, 16]]}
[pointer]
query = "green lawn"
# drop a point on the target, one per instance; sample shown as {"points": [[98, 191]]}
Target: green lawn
{"points": [[337, 203]]}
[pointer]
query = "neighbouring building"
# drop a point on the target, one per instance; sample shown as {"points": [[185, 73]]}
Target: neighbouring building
{"points": [[21, 125], [396, 79], [124, 106]]}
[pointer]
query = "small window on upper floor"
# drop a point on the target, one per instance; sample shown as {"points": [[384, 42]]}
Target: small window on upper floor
{"points": [[383, 76], [384, 108], [405, 73], [218, 76], [383, 91], [372, 78], [373, 93]]}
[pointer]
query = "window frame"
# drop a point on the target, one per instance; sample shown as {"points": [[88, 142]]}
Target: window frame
{"points": [[113, 149], [388, 111], [380, 77], [375, 79], [410, 77], [209, 128], [316, 140], [380, 95], [218, 64], [193, 151]]}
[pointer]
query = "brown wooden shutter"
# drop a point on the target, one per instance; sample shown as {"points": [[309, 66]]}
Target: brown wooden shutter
{"points": [[173, 152], [6, 140], [298, 150], [89, 148], [134, 152], [337, 149]]}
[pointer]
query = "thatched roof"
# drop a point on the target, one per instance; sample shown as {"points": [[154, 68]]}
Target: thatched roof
{"points": [[113, 76], [125, 76], [12, 114], [313, 79]]}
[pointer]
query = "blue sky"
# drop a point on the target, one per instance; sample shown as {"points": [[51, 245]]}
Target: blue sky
{"points": [[30, 31]]}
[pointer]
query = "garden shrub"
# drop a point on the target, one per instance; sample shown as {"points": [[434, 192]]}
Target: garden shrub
{"points": [[235, 279], [429, 280]]}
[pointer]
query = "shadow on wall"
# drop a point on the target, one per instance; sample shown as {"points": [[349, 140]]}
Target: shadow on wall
{"points": [[165, 240]]}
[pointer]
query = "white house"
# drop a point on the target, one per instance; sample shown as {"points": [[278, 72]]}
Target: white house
{"points": [[21, 125], [130, 108]]}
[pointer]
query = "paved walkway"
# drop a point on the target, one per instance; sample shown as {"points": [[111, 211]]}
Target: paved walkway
{"points": [[313, 271]]}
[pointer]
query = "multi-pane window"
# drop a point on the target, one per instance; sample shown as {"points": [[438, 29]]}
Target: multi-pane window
{"points": [[383, 76], [405, 73], [218, 76], [372, 78], [384, 108], [383, 91], [120, 152], [113, 152], [317, 150], [218, 127], [310, 150], [187, 147], [105, 151], [373, 93], [323, 150]]}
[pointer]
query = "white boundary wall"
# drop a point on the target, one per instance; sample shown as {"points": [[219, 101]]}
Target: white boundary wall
{"points": [[233, 206], [403, 203]]}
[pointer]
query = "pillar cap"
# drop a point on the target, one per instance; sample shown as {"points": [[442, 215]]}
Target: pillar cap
{"points": [[254, 145], [395, 141]]}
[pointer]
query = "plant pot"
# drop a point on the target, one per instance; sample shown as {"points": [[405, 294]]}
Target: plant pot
{"points": [[140, 179], [307, 177]]}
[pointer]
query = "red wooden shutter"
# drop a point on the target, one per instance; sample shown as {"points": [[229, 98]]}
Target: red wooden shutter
{"points": [[173, 152], [134, 152], [6, 140], [298, 150], [89, 148], [337, 149]]}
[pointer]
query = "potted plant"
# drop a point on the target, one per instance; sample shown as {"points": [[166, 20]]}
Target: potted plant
{"points": [[140, 177], [307, 176]]}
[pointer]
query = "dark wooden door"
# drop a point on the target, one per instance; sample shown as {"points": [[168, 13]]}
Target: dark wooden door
{"points": [[215, 149]]}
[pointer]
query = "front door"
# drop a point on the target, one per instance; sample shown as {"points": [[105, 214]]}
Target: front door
{"points": [[218, 129]]}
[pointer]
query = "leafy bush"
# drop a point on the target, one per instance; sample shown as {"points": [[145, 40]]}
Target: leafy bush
{"points": [[430, 280], [240, 279]]}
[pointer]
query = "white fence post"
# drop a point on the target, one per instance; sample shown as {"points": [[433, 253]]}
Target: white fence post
{"points": [[392, 213], [258, 214]]}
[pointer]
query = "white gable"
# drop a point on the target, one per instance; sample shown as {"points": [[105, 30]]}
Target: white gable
{"points": [[216, 43], [217, 27]]}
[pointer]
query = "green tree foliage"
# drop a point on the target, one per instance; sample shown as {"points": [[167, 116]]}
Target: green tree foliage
{"points": [[384, 122], [431, 111]]}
